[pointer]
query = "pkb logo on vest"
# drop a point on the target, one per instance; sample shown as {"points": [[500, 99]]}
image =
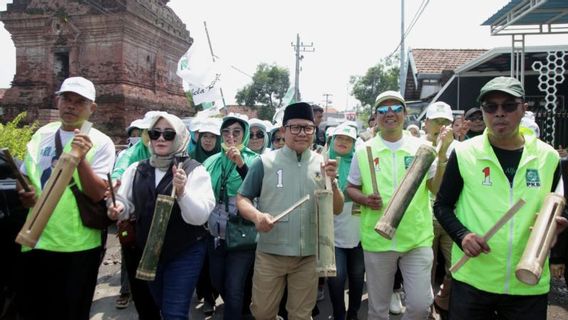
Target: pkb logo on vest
{"points": [[532, 178], [487, 176]]}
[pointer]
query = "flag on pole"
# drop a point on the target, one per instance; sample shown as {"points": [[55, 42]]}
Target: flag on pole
{"points": [[288, 99], [202, 76]]}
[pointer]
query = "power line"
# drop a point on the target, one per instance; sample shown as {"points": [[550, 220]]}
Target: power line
{"points": [[415, 19]]}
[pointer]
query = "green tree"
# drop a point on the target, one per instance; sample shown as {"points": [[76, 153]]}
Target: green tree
{"points": [[15, 136], [267, 90], [381, 77]]}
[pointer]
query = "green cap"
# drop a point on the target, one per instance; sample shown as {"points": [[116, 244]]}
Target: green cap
{"points": [[507, 85]]}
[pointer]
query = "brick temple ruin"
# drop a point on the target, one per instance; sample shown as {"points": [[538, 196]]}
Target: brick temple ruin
{"points": [[128, 48]]}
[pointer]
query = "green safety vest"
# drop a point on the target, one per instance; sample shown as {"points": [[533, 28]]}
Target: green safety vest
{"points": [[415, 229], [486, 196], [64, 231]]}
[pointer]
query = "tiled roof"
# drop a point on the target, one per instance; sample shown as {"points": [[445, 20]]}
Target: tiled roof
{"points": [[2, 91], [437, 60]]}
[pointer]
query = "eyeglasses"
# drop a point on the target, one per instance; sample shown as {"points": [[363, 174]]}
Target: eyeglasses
{"points": [[168, 135], [296, 129], [228, 132], [258, 135], [508, 107], [278, 140], [395, 108]]}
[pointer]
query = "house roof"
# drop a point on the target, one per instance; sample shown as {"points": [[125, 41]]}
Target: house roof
{"points": [[435, 61], [517, 17], [2, 91]]}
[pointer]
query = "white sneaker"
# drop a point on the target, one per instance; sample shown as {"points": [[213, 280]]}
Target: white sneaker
{"points": [[395, 304]]}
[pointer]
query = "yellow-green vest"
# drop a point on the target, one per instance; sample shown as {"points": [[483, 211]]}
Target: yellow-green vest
{"points": [[486, 196], [64, 231], [415, 229]]}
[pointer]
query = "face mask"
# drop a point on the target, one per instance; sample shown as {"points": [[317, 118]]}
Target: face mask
{"points": [[132, 141]]}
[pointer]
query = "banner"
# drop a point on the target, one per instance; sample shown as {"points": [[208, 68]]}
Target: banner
{"points": [[202, 76]]}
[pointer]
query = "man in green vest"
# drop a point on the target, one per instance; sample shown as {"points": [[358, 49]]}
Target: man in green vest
{"points": [[485, 176], [393, 151], [59, 275], [286, 248]]}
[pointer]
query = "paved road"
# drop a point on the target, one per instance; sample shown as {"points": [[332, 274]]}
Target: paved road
{"points": [[109, 286]]}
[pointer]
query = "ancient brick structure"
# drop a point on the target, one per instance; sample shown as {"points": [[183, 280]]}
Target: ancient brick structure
{"points": [[128, 48]]}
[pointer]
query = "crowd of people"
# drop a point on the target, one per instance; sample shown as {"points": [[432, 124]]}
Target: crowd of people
{"points": [[233, 171]]}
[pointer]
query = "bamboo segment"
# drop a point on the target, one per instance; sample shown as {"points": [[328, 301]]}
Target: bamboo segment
{"points": [[50, 196], [500, 223], [15, 171], [151, 255], [529, 268], [326, 246], [404, 193]]}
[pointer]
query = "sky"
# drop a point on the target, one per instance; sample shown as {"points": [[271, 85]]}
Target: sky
{"points": [[349, 37]]}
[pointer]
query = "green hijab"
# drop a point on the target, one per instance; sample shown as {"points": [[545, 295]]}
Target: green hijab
{"points": [[343, 165], [200, 154], [223, 171]]}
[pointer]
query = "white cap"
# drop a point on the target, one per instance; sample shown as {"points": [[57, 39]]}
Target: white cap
{"points": [[211, 125], [438, 110], [255, 122], [138, 123], [80, 86], [389, 95], [345, 130]]}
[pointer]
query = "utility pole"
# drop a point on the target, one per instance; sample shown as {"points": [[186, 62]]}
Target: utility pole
{"points": [[300, 47], [402, 57], [327, 101]]}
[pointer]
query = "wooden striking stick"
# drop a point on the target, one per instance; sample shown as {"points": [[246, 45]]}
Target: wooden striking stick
{"points": [[404, 193], [500, 223], [51, 194], [15, 171], [111, 188], [294, 206], [372, 169], [529, 268], [153, 248]]}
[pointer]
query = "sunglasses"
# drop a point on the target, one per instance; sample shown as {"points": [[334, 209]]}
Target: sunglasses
{"points": [[384, 109], [258, 135], [508, 107], [228, 132], [168, 135], [278, 140]]}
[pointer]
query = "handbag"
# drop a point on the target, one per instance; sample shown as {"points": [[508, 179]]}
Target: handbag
{"points": [[93, 214], [127, 233], [240, 234]]}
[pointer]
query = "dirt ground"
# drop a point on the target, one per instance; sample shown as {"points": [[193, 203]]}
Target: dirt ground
{"points": [[109, 285]]}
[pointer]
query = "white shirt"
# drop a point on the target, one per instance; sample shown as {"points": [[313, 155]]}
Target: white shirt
{"points": [[102, 160], [195, 204]]}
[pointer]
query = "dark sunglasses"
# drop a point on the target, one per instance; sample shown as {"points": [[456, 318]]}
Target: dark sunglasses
{"points": [[168, 135], [508, 107], [259, 135], [278, 140], [384, 109]]}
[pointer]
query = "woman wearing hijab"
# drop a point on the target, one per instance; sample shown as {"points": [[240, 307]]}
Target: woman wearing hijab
{"points": [[209, 141], [348, 250], [228, 168], [258, 139], [184, 245]]}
